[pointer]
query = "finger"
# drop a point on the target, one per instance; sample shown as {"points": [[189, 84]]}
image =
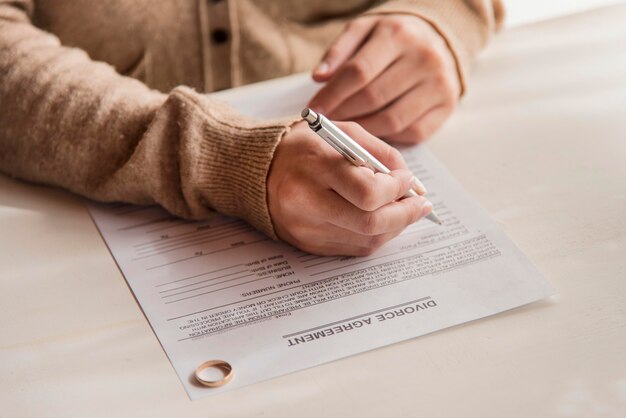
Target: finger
{"points": [[370, 60], [331, 240], [343, 47], [393, 216], [386, 154], [424, 127], [366, 231], [364, 244], [396, 117], [394, 82], [307, 239], [328, 249], [365, 189], [340, 240]]}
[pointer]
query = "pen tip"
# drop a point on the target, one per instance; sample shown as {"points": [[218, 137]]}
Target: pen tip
{"points": [[434, 218]]}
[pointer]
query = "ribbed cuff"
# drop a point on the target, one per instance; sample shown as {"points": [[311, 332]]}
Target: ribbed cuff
{"points": [[459, 25], [234, 158]]}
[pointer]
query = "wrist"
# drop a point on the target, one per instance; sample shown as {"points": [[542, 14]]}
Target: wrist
{"points": [[233, 160]]}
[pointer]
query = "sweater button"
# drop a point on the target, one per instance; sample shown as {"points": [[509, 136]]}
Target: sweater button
{"points": [[219, 36]]}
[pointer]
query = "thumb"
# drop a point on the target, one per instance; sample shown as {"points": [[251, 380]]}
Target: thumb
{"points": [[344, 47]]}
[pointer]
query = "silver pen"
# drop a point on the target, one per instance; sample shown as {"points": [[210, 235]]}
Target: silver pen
{"points": [[354, 152]]}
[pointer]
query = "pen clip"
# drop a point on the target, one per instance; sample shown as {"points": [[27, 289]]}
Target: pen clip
{"points": [[350, 155], [342, 149]]}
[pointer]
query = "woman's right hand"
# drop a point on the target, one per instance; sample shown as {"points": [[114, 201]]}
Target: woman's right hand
{"points": [[324, 205]]}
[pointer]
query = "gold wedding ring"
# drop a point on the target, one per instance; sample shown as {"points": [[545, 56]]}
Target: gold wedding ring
{"points": [[222, 365]]}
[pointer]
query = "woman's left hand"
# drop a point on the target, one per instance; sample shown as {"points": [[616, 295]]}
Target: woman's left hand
{"points": [[393, 74]]}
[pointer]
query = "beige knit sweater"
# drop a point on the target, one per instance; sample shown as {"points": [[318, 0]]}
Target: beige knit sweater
{"points": [[104, 98]]}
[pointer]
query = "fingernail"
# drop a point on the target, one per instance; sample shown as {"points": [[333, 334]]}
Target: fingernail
{"points": [[322, 68], [418, 186], [427, 208]]}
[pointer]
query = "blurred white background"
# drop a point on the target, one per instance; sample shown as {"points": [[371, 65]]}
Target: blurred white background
{"points": [[520, 12]]}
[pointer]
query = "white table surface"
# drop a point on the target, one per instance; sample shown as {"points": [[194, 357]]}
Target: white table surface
{"points": [[522, 12], [540, 142]]}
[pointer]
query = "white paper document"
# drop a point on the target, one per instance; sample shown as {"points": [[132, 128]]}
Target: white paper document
{"points": [[220, 290]]}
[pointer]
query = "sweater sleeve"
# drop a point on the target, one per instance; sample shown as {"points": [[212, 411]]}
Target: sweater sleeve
{"points": [[68, 121], [466, 25]]}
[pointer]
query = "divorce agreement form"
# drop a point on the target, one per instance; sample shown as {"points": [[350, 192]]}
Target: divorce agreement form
{"points": [[219, 290]]}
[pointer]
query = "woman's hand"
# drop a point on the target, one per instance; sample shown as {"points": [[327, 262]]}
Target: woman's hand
{"points": [[323, 204], [393, 74]]}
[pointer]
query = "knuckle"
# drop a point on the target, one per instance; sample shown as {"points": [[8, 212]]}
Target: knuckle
{"points": [[432, 56], [376, 241], [370, 223], [351, 127], [373, 97], [361, 189], [414, 212], [395, 157], [368, 198], [396, 26], [392, 122], [417, 133], [444, 84], [355, 24], [401, 187], [424, 49], [359, 70]]}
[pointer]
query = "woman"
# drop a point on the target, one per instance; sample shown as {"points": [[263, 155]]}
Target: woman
{"points": [[106, 99]]}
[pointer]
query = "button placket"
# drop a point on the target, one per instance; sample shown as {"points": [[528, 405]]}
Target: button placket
{"points": [[220, 43], [219, 36]]}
